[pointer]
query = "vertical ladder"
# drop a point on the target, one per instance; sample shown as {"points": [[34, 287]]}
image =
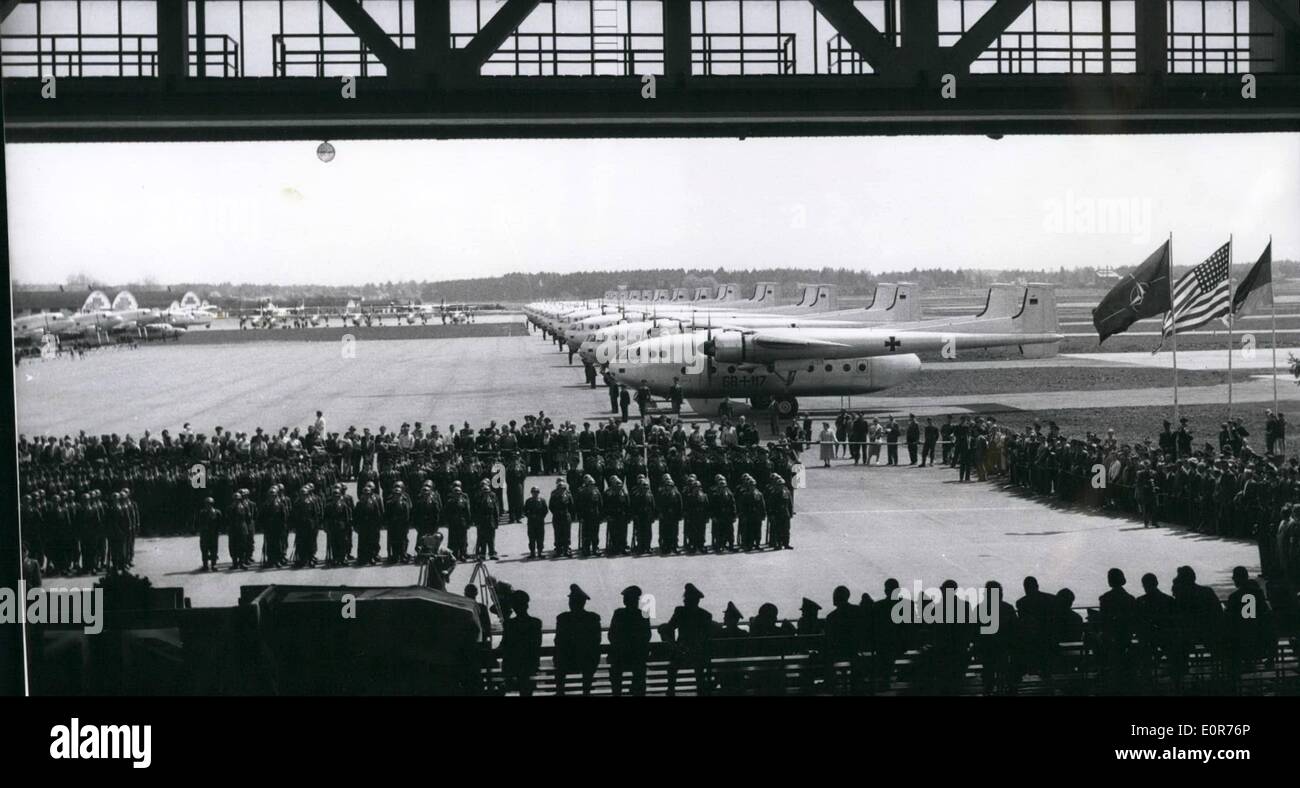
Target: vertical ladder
{"points": [[606, 29]]}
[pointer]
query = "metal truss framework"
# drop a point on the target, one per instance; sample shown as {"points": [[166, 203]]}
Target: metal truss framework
{"points": [[434, 83]]}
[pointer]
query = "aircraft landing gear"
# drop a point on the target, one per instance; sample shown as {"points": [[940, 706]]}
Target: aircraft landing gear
{"points": [[787, 407]]}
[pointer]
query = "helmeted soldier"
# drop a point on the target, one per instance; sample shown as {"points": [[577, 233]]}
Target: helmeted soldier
{"points": [[368, 518], [458, 514], [427, 509], [751, 510], [642, 502], [669, 505], [306, 525], [535, 511], [207, 523], [587, 504], [722, 508], [561, 505], [779, 512], [615, 505], [695, 508], [397, 521], [486, 517], [338, 527]]}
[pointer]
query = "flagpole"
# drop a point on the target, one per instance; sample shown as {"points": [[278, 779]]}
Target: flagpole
{"points": [[1272, 298], [1169, 281], [1230, 321]]}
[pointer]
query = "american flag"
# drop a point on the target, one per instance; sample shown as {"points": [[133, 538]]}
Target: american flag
{"points": [[1201, 295]]}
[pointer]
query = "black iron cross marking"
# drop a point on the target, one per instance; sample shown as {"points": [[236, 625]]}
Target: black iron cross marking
{"points": [[893, 344]]}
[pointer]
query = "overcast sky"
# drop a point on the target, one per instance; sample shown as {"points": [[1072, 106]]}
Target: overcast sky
{"points": [[274, 213]]}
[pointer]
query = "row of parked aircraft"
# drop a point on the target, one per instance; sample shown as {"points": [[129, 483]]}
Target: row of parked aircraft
{"points": [[99, 317], [722, 345]]}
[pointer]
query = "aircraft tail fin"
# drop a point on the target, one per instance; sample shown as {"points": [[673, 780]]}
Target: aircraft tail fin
{"points": [[1004, 300], [883, 298], [766, 293], [907, 302], [820, 298], [1038, 316]]}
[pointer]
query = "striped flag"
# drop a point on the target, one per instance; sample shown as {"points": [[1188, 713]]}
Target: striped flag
{"points": [[1201, 295]]}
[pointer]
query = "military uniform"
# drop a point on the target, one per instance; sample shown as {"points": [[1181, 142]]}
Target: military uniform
{"points": [[669, 505], [615, 504], [535, 511], [486, 518], [561, 506], [577, 642], [629, 643]]}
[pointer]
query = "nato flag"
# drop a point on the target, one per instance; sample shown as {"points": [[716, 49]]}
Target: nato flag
{"points": [[1139, 295]]}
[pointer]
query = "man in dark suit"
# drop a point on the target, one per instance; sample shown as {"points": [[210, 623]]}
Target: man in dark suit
{"points": [[913, 438], [931, 440], [577, 642], [629, 643]]}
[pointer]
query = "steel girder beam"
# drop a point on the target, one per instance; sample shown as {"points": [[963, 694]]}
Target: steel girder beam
{"points": [[173, 41], [985, 31], [1286, 12], [7, 7], [488, 40], [1151, 23], [861, 34], [395, 59], [677, 42], [104, 109]]}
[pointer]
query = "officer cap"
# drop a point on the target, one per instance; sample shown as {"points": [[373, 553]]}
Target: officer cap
{"points": [[692, 592], [586, 479], [632, 591], [207, 500], [616, 481], [809, 605], [732, 613], [668, 479], [536, 489], [455, 484], [577, 593]]}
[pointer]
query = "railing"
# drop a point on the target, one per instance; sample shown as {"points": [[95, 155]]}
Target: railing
{"points": [[1057, 52], [99, 55], [549, 54]]}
